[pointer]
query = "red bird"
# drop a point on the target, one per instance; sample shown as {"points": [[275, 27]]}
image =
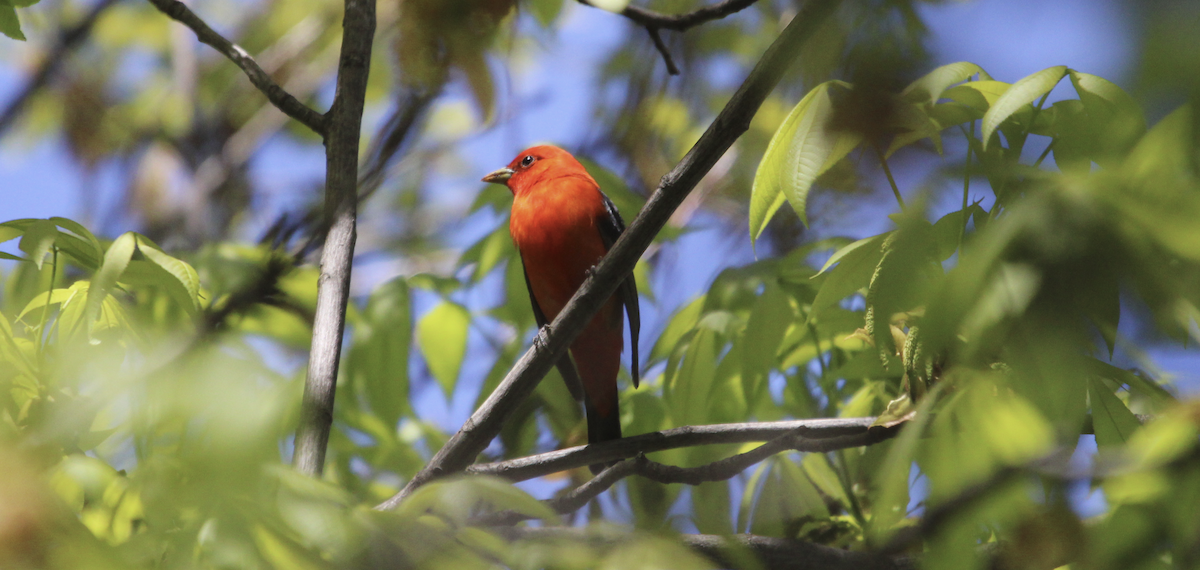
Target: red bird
{"points": [[563, 225]]}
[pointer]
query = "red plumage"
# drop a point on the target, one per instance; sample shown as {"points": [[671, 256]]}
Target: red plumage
{"points": [[563, 225]]}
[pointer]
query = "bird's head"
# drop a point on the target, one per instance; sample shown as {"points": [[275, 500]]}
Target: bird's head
{"points": [[535, 164]]}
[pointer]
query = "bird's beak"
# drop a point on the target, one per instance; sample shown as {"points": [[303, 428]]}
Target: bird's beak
{"points": [[499, 176]]}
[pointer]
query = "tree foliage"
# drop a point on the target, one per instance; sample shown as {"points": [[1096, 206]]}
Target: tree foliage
{"points": [[953, 365]]}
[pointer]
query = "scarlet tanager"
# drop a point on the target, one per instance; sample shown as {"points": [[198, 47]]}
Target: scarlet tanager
{"points": [[563, 225]]}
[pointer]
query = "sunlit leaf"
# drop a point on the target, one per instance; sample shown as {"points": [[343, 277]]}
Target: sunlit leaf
{"points": [[180, 270], [803, 148], [929, 88], [1021, 93], [116, 259], [39, 238]]}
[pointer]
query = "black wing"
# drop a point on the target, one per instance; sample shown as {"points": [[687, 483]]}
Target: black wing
{"points": [[611, 227], [565, 367]]}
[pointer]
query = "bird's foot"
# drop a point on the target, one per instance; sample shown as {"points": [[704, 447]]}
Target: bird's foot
{"points": [[542, 339]]}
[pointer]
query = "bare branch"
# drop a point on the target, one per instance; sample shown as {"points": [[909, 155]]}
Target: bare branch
{"points": [[655, 21], [275, 94], [68, 39], [462, 448], [341, 211], [662, 49], [541, 464], [681, 22], [773, 553], [720, 470]]}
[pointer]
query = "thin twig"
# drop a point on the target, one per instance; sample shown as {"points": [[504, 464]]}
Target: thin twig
{"points": [[341, 211], [681, 22], [552, 341], [525, 468], [69, 39], [888, 172], [662, 49], [275, 94]]}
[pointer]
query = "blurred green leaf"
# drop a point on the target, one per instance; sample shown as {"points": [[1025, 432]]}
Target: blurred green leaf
{"points": [[442, 338], [9, 24], [545, 11], [1111, 419]]}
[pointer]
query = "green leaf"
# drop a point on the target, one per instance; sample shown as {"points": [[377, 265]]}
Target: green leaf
{"points": [[770, 318], [8, 232], [545, 11], [378, 359], [1021, 93], [614, 6], [11, 257], [1116, 121], [855, 265], [41, 300], [677, 328], [801, 150], [78, 229], [710, 508], [38, 240], [977, 95], [690, 388], [1112, 421], [183, 273], [10, 25], [116, 259], [929, 88], [442, 338]]}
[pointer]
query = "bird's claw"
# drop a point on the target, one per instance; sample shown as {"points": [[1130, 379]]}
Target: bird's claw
{"points": [[542, 339]]}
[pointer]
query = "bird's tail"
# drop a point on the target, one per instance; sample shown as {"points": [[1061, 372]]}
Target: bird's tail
{"points": [[601, 428]]}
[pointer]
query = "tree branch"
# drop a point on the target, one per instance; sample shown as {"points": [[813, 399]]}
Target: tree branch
{"points": [[341, 210], [795, 439], [524, 468], [662, 49], [68, 39], [773, 553], [275, 94], [551, 342], [655, 21], [681, 22]]}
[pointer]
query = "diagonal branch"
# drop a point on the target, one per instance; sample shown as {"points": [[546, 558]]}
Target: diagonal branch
{"points": [[524, 468], [68, 39], [552, 341], [275, 94], [341, 211]]}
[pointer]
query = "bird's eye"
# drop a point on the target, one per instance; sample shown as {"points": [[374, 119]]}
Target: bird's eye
{"points": [[528, 160]]}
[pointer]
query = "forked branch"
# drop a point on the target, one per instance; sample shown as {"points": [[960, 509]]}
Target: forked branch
{"points": [[277, 95]]}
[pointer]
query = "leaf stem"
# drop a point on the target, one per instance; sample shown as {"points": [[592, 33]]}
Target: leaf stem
{"points": [[888, 172], [1045, 153]]}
